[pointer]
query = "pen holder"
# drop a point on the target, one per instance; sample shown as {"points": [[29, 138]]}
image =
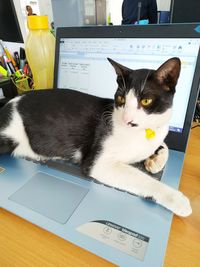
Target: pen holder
{"points": [[22, 85]]}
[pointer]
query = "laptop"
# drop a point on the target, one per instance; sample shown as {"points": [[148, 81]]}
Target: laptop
{"points": [[113, 224]]}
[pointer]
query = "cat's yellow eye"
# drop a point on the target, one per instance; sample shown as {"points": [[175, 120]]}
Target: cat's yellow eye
{"points": [[120, 100], [146, 102]]}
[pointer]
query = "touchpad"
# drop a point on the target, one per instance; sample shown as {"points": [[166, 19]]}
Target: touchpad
{"points": [[50, 196]]}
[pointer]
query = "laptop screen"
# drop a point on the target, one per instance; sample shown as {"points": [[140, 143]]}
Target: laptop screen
{"points": [[82, 62]]}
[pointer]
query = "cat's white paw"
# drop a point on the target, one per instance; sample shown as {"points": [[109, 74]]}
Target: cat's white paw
{"points": [[156, 162], [178, 204]]}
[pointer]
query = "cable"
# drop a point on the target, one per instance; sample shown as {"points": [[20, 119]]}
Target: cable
{"points": [[195, 126]]}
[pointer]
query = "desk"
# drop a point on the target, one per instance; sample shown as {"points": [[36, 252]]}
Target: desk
{"points": [[23, 244]]}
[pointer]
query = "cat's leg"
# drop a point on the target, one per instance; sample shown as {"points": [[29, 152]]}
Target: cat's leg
{"points": [[128, 178], [157, 161]]}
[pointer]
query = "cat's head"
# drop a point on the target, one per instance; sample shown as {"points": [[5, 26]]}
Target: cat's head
{"points": [[144, 97]]}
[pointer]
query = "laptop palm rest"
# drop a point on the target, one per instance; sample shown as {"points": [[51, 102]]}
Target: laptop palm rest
{"points": [[50, 196]]}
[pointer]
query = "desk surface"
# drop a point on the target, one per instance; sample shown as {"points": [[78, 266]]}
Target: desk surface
{"points": [[23, 244]]}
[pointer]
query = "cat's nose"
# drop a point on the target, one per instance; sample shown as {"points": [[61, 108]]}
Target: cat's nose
{"points": [[129, 120]]}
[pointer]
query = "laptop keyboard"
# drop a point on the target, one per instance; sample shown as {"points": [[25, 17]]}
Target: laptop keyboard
{"points": [[140, 166], [74, 169]]}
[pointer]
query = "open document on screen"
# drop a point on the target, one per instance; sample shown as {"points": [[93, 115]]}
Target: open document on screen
{"points": [[83, 65]]}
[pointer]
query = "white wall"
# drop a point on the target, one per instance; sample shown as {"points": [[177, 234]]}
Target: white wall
{"points": [[45, 7], [115, 8], [163, 5], [20, 17]]}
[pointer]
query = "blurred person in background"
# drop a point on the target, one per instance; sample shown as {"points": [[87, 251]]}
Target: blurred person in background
{"points": [[134, 11]]}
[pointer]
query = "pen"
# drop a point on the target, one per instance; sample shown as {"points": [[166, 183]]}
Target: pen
{"points": [[8, 55], [2, 61], [19, 74], [16, 56], [22, 58], [6, 64], [11, 67], [25, 69]]}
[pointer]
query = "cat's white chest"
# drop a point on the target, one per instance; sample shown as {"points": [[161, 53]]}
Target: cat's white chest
{"points": [[132, 145]]}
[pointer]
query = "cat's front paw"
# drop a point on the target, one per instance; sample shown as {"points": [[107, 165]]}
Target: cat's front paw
{"points": [[157, 161], [179, 204]]}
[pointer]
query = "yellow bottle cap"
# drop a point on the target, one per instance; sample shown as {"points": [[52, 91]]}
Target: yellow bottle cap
{"points": [[38, 22]]}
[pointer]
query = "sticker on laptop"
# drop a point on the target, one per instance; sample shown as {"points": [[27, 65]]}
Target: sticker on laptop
{"points": [[197, 29], [2, 169], [132, 243]]}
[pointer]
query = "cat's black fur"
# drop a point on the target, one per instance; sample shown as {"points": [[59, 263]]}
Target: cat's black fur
{"points": [[7, 145], [62, 121]]}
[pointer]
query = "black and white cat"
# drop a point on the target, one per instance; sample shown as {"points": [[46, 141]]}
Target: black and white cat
{"points": [[105, 136]]}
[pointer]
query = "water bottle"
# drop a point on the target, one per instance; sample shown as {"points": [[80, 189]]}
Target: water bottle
{"points": [[40, 51]]}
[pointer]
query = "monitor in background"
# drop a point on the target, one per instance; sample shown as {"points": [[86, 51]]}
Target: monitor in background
{"points": [[183, 11]]}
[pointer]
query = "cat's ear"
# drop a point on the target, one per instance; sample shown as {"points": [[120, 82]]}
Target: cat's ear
{"points": [[168, 73], [119, 69]]}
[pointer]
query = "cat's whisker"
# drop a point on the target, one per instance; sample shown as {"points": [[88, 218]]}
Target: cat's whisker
{"points": [[124, 82], [107, 117], [145, 80], [121, 89]]}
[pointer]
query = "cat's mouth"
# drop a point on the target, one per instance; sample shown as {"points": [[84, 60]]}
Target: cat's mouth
{"points": [[132, 124]]}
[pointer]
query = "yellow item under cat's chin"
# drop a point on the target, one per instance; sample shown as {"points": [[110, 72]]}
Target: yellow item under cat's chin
{"points": [[150, 133]]}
